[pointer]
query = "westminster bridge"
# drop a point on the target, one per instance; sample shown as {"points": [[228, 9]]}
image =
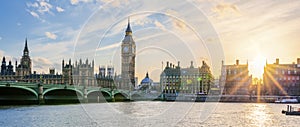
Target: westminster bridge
{"points": [[34, 93]]}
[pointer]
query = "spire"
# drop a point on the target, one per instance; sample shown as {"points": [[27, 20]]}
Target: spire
{"points": [[3, 59], [26, 47], [128, 30], [147, 75]]}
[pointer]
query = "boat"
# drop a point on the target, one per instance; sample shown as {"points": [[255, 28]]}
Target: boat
{"points": [[286, 101], [291, 111]]}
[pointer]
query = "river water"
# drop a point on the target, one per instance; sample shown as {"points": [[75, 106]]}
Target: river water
{"points": [[148, 113]]}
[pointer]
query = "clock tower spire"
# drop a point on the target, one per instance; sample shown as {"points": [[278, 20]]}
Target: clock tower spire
{"points": [[128, 54]]}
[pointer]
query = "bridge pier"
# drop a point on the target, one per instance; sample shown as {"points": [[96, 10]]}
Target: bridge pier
{"points": [[85, 98], [113, 98], [40, 94]]}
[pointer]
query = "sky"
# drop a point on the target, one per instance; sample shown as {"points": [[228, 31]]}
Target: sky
{"points": [[171, 30]]}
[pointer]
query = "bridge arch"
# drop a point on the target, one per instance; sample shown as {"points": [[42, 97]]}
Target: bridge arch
{"points": [[17, 95], [136, 96], [98, 96], [121, 96], [62, 95]]}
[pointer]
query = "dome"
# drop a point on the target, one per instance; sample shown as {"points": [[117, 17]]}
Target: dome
{"points": [[146, 79]]}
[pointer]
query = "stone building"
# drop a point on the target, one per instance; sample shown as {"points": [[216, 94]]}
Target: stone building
{"points": [[146, 84], [25, 66], [128, 53], [7, 69], [23, 71], [50, 78], [83, 73], [190, 80], [105, 78], [170, 79], [206, 78], [236, 78], [282, 79], [7, 73], [67, 73]]}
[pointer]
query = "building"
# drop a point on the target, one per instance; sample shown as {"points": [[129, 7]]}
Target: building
{"points": [[206, 79], [7, 73], [282, 79], [170, 79], [105, 79], [50, 78], [67, 73], [25, 66], [236, 78], [146, 84], [7, 69], [23, 71], [128, 53], [190, 80], [83, 73]]}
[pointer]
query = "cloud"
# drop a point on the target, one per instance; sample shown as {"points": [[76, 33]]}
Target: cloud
{"points": [[50, 35], [35, 4], [59, 9], [226, 9], [179, 24], [34, 14], [41, 64], [38, 8], [44, 7], [1, 53], [74, 2], [115, 45], [159, 25]]}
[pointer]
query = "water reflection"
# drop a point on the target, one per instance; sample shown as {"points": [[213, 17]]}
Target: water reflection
{"points": [[259, 114], [149, 114]]}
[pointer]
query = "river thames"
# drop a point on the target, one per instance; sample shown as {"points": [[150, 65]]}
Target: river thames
{"points": [[149, 113]]}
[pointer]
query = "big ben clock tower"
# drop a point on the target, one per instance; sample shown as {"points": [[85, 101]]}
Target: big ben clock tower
{"points": [[25, 66], [128, 59]]}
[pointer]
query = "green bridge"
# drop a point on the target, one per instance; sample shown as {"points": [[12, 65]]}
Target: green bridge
{"points": [[20, 92]]}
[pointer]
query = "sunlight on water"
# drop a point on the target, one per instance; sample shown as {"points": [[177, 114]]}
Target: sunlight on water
{"points": [[136, 114], [259, 114]]}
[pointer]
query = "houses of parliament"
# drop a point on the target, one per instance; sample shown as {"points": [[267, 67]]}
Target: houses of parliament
{"points": [[79, 72]]}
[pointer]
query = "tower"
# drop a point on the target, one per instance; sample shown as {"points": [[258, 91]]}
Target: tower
{"points": [[3, 66], [128, 59], [25, 66]]}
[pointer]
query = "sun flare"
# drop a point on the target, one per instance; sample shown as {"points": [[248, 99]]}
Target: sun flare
{"points": [[258, 66]]}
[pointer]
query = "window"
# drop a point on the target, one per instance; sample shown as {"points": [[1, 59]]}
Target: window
{"points": [[289, 72], [282, 71]]}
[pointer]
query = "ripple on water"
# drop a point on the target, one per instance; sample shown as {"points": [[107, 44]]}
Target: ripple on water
{"points": [[149, 114]]}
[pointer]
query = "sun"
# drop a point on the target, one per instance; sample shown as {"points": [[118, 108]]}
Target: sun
{"points": [[258, 66]]}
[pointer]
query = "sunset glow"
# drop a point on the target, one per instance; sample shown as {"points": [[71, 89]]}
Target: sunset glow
{"points": [[257, 66]]}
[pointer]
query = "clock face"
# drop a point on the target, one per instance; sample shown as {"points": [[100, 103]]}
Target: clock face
{"points": [[125, 49]]}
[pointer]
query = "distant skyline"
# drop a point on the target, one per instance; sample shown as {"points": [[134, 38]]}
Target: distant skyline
{"points": [[253, 31]]}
